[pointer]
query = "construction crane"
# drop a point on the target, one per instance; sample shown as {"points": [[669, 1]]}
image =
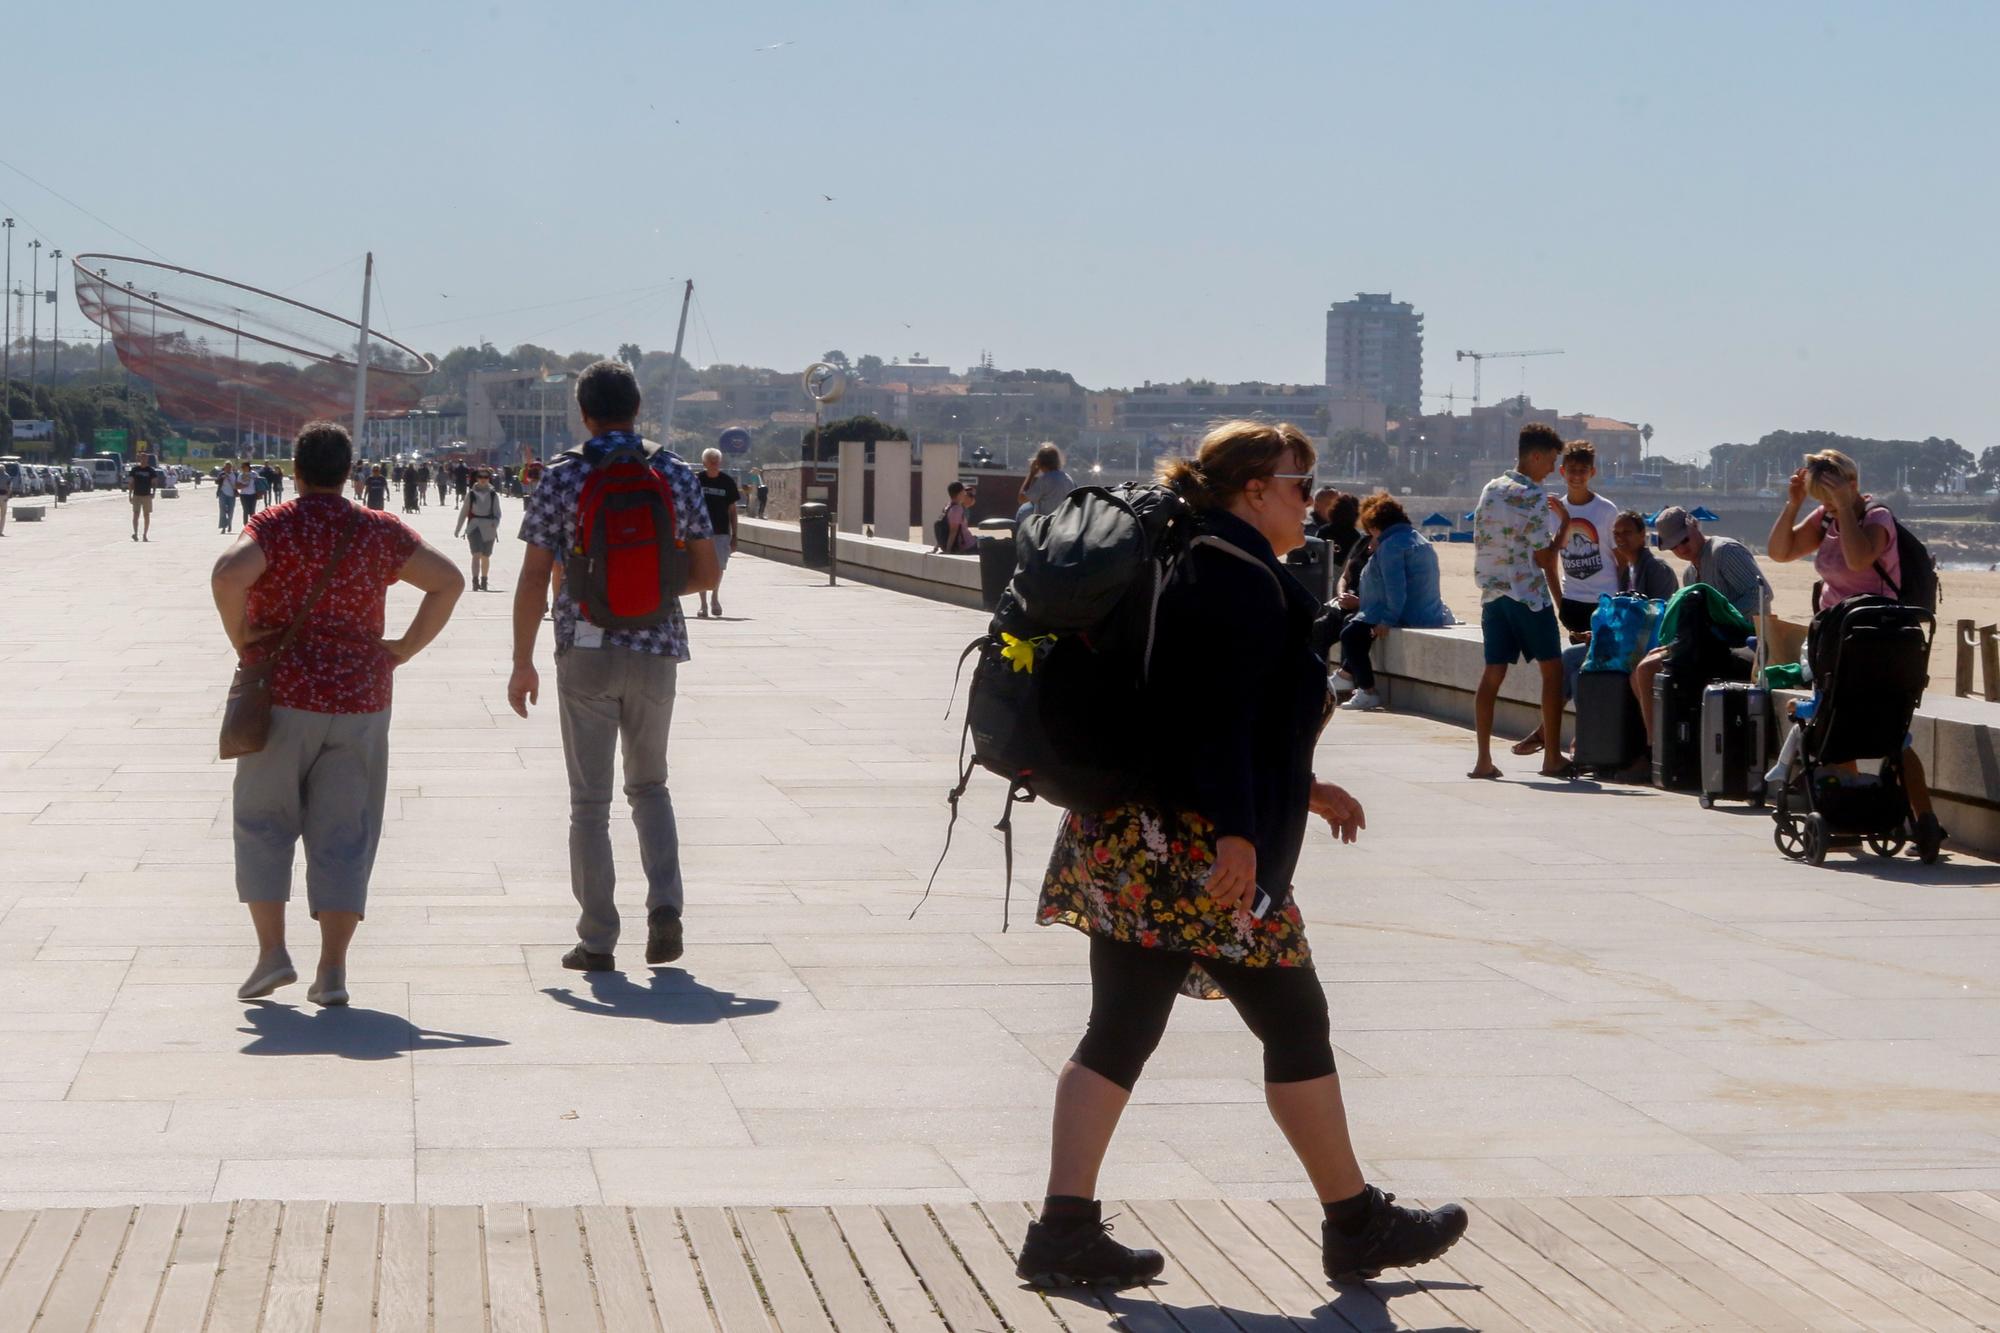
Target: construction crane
{"points": [[1450, 400], [1477, 357]]}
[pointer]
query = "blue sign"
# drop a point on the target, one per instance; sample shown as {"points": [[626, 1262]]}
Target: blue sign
{"points": [[735, 440]]}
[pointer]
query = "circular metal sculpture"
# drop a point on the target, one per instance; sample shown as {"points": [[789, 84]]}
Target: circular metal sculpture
{"points": [[825, 383], [216, 350], [735, 440]]}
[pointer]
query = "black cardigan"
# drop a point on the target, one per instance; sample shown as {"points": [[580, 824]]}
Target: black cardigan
{"points": [[1243, 696]]}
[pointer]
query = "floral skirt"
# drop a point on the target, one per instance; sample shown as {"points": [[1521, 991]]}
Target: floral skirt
{"points": [[1137, 875]]}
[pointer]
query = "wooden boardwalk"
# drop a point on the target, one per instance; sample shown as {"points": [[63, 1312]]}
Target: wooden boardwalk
{"points": [[1920, 1262]]}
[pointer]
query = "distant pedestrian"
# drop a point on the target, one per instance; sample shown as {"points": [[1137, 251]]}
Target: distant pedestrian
{"points": [[1189, 891], [377, 487], [459, 473], [141, 481], [760, 493], [307, 581], [277, 477], [413, 490], [1514, 528], [614, 687], [479, 520], [442, 476], [260, 489], [1047, 483], [6, 496], [225, 498], [721, 494], [957, 519]]}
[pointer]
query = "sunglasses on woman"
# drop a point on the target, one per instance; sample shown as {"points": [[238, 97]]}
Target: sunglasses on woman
{"points": [[1304, 479]]}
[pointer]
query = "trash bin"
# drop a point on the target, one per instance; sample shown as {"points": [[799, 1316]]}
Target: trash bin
{"points": [[996, 558], [813, 548], [1312, 565]]}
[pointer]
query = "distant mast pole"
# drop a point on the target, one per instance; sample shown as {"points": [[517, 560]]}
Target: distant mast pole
{"points": [[361, 356], [674, 374]]}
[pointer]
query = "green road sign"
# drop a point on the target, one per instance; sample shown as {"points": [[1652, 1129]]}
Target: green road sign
{"points": [[111, 440]]}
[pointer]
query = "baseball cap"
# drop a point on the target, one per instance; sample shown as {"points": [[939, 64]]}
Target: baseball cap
{"points": [[1673, 524]]}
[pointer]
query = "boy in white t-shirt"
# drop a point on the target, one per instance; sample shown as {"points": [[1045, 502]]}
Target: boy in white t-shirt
{"points": [[1584, 545]]}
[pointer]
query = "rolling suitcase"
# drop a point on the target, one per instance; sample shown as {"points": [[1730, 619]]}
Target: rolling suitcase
{"points": [[1610, 729], [1312, 565], [1676, 734], [1733, 749]]}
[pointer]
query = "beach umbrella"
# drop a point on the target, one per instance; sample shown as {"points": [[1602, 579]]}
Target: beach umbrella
{"points": [[1703, 514], [1652, 518], [1437, 521], [1468, 517]]}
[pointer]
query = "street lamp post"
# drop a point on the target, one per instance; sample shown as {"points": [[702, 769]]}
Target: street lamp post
{"points": [[55, 319], [34, 295], [7, 322]]}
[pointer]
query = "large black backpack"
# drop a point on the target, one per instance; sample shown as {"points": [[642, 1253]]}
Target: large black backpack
{"points": [[1919, 585], [1058, 680]]}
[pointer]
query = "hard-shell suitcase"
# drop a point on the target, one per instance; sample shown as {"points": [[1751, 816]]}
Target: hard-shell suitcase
{"points": [[1733, 746], [1312, 565], [1676, 734], [1610, 729]]}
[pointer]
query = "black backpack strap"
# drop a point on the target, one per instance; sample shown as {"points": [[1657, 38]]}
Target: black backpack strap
{"points": [[965, 768], [1017, 794]]}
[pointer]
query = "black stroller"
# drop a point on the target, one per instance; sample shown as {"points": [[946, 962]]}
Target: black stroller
{"points": [[1871, 659]]}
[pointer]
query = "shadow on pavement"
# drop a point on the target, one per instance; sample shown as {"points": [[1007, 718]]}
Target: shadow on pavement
{"points": [[353, 1034], [1358, 1307], [670, 995]]}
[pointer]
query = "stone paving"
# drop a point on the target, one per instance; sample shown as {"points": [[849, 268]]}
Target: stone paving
{"points": [[1536, 992]]}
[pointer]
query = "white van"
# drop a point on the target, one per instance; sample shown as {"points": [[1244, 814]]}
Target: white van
{"points": [[107, 471]]}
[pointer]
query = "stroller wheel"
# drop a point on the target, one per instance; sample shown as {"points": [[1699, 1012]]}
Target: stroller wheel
{"points": [[1886, 845], [1818, 839], [1790, 835]]}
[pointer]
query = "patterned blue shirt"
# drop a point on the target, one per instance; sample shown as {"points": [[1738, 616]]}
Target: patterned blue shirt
{"points": [[548, 520]]}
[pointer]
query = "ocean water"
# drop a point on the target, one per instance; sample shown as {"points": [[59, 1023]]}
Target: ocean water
{"points": [[1968, 566]]}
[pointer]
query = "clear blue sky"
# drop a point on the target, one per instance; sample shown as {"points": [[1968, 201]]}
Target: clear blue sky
{"points": [[1736, 218]]}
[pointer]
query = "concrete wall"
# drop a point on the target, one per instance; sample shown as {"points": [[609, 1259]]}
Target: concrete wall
{"points": [[908, 567]]}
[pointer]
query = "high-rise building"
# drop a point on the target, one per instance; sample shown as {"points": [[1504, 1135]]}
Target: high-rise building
{"points": [[1375, 349]]}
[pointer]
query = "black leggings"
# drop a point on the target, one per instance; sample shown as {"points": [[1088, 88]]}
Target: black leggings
{"points": [[1132, 990], [1357, 646]]}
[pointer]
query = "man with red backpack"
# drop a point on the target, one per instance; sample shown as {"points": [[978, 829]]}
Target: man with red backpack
{"points": [[626, 520]]}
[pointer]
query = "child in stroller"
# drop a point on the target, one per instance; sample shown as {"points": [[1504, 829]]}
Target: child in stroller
{"points": [[1870, 660]]}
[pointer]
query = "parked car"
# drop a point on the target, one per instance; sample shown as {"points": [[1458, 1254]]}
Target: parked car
{"points": [[80, 477], [106, 472]]}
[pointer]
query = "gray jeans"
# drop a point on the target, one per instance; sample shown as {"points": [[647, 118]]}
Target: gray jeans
{"points": [[323, 777], [616, 697]]}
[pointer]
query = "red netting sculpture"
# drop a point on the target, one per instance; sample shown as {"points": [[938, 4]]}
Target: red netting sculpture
{"points": [[218, 351]]}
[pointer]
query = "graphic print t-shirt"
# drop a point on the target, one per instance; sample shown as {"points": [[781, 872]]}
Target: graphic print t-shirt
{"points": [[143, 479], [1585, 549], [720, 493]]}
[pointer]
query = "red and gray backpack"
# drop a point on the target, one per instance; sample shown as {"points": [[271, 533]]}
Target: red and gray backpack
{"points": [[628, 561]]}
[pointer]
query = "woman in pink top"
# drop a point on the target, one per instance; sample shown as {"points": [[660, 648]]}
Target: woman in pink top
{"points": [[1853, 546]]}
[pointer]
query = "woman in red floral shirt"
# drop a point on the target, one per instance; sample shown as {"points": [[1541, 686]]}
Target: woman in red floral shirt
{"points": [[323, 776]]}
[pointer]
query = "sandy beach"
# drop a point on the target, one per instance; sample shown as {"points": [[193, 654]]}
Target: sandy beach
{"points": [[1973, 595]]}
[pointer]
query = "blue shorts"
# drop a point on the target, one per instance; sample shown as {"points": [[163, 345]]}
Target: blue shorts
{"points": [[1514, 633]]}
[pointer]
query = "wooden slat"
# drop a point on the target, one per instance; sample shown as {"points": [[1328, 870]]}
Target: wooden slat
{"points": [[795, 1306], [677, 1293], [1897, 1300], [1978, 1255], [190, 1275], [1081, 1310], [512, 1303], [1765, 1246], [458, 1269], [1178, 1296], [1801, 1305], [622, 1299], [402, 1301], [1282, 1288], [1954, 1209], [297, 1269], [1633, 1302], [1867, 1247], [894, 1282], [246, 1266], [128, 1300], [72, 1297], [1563, 1289], [349, 1303], [1415, 1308], [1521, 1303], [35, 1265], [1736, 1301], [724, 1271], [993, 1268], [958, 1298], [1980, 1283], [566, 1299], [834, 1272], [1684, 1306], [13, 1226]]}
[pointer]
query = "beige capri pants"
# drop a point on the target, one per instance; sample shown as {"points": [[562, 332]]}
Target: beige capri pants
{"points": [[323, 777]]}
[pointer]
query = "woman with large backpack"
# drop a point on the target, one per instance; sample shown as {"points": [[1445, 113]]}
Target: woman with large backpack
{"points": [[1189, 890], [1856, 547], [479, 520]]}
